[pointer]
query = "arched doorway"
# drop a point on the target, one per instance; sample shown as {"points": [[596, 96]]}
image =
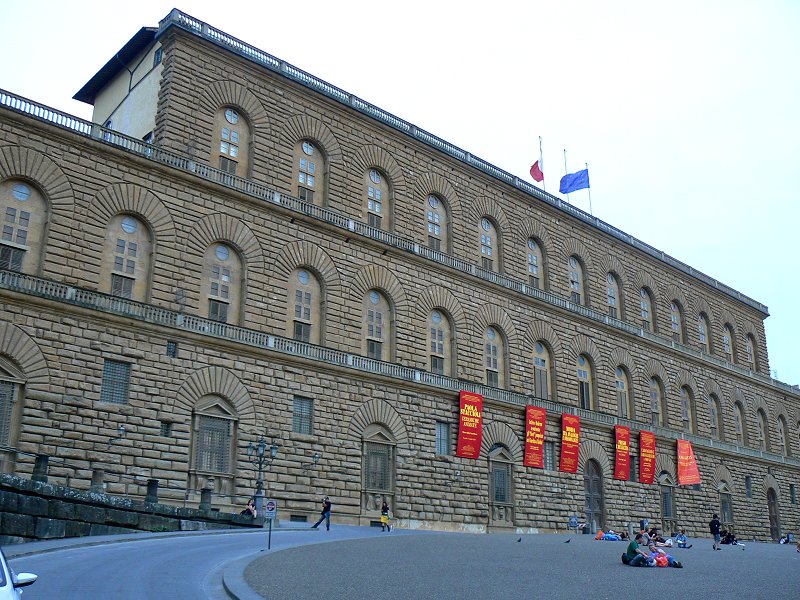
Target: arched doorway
{"points": [[774, 515], [501, 487], [594, 507]]}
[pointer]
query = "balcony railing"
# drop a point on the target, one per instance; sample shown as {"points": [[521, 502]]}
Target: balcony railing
{"points": [[267, 194], [106, 303]]}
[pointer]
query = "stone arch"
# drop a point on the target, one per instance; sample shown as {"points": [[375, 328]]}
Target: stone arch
{"points": [[220, 382], [611, 264], [532, 228], [304, 127], [491, 314], [436, 296], [582, 344], [25, 352], [218, 227], [653, 368], [738, 396], [748, 328], [726, 317], [782, 409], [378, 411], [757, 403], [574, 247], [768, 482], [712, 387], [380, 278], [702, 306], [722, 475], [620, 356], [500, 433], [591, 449], [488, 207], [223, 93], [432, 183], [24, 163], [304, 254], [643, 279], [665, 462], [540, 330], [673, 292], [371, 156], [684, 378], [128, 198]]}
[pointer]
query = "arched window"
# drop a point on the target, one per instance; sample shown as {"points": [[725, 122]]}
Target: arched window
{"points": [[535, 264], [494, 357], [222, 283], [715, 417], [762, 430], [309, 178], [438, 224], [750, 352], [687, 410], [542, 372], [12, 383], [783, 436], [646, 305], [728, 343], [304, 307], [613, 296], [490, 250], [739, 424], [24, 215], [658, 408], [233, 141], [378, 199], [378, 323], [214, 433], [440, 336], [378, 468], [583, 366], [577, 281], [702, 333], [676, 318], [126, 258], [623, 385]]}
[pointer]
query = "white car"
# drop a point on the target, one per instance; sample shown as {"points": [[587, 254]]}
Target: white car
{"points": [[10, 582]]}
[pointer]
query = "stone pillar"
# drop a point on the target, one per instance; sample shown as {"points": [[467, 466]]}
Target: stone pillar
{"points": [[205, 499], [40, 468], [152, 491], [97, 481]]}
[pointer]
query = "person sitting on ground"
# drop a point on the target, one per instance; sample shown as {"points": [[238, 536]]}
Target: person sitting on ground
{"points": [[635, 556], [623, 535], [728, 538], [250, 509], [656, 537], [681, 539], [655, 552]]}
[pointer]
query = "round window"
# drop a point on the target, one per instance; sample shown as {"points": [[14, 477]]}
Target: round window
{"points": [[490, 333], [436, 317], [572, 262], [619, 372], [486, 224], [375, 176], [531, 244], [129, 225], [643, 293], [610, 279], [21, 191], [539, 348], [222, 252], [581, 361], [231, 116], [374, 297], [433, 201], [303, 276], [308, 148]]}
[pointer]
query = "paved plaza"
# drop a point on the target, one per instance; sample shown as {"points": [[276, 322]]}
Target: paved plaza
{"points": [[405, 565]]}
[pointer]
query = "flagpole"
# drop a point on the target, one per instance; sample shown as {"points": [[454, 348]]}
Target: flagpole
{"points": [[590, 193], [541, 164], [566, 171]]}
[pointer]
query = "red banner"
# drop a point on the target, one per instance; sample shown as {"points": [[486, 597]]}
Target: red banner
{"points": [[535, 421], [647, 456], [470, 430], [688, 473], [570, 443], [622, 467]]}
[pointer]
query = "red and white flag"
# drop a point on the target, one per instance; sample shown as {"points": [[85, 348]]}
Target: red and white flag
{"points": [[537, 170]]}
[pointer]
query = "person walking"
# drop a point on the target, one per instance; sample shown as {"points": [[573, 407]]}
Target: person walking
{"points": [[325, 514], [713, 527]]}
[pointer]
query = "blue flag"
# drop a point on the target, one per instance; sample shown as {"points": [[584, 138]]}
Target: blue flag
{"points": [[572, 182]]}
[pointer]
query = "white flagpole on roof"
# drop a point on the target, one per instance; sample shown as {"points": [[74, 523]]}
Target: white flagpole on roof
{"points": [[541, 165], [566, 171], [590, 191]]}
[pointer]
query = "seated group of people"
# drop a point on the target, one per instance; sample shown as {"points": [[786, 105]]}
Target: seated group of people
{"points": [[729, 538], [611, 535], [641, 554]]}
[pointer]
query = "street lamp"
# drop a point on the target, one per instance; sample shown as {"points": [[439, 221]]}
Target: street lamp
{"points": [[257, 453]]}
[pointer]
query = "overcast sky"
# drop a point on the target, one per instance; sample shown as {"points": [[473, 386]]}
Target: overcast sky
{"points": [[687, 112]]}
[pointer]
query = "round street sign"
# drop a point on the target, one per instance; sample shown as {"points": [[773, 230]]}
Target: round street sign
{"points": [[270, 509]]}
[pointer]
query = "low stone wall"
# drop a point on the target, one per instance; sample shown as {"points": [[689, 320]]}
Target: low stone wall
{"points": [[32, 510]]}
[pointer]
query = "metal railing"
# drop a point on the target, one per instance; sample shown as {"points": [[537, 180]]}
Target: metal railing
{"points": [[179, 19], [43, 288]]}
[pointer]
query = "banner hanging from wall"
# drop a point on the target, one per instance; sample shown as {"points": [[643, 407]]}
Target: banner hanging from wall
{"points": [[688, 473], [535, 421], [622, 439], [570, 443], [647, 456], [470, 425]]}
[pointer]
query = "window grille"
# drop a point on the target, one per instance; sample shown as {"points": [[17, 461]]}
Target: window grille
{"points": [[7, 390], [549, 456], [213, 444], [116, 382], [501, 474], [378, 460], [11, 259], [442, 438], [302, 419], [172, 349]]}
